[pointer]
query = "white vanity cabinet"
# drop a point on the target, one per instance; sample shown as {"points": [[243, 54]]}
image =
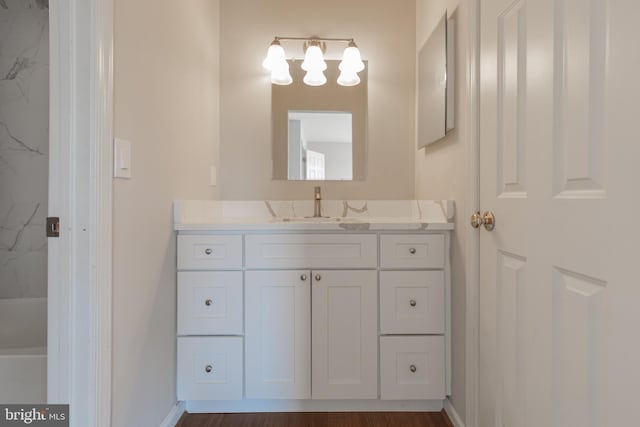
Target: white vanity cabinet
{"points": [[306, 321]]}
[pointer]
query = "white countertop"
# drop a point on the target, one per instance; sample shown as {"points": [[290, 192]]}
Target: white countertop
{"points": [[343, 215]]}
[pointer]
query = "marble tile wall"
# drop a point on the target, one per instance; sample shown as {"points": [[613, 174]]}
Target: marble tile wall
{"points": [[24, 147]]}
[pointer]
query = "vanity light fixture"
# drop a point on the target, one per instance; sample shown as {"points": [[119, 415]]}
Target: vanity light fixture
{"points": [[314, 63]]}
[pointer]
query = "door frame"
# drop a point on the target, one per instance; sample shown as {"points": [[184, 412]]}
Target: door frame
{"points": [[80, 193], [472, 265]]}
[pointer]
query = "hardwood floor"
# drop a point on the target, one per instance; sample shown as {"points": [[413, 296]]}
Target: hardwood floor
{"points": [[318, 419]]}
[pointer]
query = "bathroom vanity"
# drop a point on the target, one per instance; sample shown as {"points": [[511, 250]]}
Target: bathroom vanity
{"points": [[278, 312]]}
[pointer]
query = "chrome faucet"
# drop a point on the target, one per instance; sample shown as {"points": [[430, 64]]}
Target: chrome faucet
{"points": [[317, 203]]}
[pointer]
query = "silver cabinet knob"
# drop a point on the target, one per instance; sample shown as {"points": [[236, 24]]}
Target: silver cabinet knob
{"points": [[208, 251], [412, 251], [412, 303], [208, 368], [318, 277], [303, 277], [413, 368], [208, 302]]}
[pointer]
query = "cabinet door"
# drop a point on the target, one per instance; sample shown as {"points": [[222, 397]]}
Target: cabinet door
{"points": [[277, 334], [344, 331]]}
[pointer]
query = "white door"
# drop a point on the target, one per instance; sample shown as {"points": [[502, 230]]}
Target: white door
{"points": [[277, 341], [559, 146], [345, 334], [315, 165]]}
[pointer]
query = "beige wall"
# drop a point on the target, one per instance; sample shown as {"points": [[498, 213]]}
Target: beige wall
{"points": [[385, 33], [166, 92], [442, 173]]}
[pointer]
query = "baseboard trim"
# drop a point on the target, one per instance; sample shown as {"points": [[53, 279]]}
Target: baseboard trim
{"points": [[453, 414], [346, 405], [174, 415]]}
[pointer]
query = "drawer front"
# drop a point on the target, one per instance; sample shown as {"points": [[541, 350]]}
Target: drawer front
{"points": [[209, 252], [412, 251], [210, 368], [412, 302], [311, 251], [210, 303], [412, 368]]}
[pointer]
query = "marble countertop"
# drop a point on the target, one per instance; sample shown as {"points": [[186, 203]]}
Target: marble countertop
{"points": [[341, 215]]}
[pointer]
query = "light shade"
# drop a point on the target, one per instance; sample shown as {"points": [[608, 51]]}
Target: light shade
{"points": [[313, 60], [348, 78], [275, 56], [351, 60], [280, 75], [315, 78]]}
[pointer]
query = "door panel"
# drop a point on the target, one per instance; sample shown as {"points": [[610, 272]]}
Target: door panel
{"points": [[558, 168]]}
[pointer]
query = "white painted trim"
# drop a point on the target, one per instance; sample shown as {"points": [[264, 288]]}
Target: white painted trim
{"points": [[453, 414], [79, 331], [473, 201], [287, 405], [174, 415], [60, 164], [102, 205]]}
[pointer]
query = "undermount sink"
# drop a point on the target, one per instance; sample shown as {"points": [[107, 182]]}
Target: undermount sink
{"points": [[317, 219]]}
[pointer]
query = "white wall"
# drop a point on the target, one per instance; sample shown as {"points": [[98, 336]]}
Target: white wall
{"points": [[441, 172], [384, 31], [165, 103]]}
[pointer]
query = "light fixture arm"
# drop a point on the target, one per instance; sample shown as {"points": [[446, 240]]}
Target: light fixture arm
{"points": [[320, 39]]}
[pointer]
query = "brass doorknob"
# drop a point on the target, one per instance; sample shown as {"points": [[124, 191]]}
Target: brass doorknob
{"points": [[476, 220], [488, 220]]}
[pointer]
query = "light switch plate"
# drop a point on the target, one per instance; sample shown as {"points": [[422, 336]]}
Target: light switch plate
{"points": [[121, 158], [213, 179]]}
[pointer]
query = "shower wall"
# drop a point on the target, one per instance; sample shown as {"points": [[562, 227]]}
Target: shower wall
{"points": [[24, 147]]}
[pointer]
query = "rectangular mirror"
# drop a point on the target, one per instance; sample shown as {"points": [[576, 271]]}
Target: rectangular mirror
{"points": [[319, 132], [435, 84]]}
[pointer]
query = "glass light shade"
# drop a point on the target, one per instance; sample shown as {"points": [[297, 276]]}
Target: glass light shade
{"points": [[313, 60], [351, 60], [315, 78], [275, 56], [281, 76], [348, 78]]}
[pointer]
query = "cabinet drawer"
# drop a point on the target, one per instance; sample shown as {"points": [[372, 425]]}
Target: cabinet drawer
{"points": [[412, 302], [210, 368], [311, 251], [210, 303], [209, 252], [411, 251], [412, 368]]}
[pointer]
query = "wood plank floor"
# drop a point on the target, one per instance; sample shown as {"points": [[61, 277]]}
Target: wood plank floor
{"points": [[318, 419]]}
